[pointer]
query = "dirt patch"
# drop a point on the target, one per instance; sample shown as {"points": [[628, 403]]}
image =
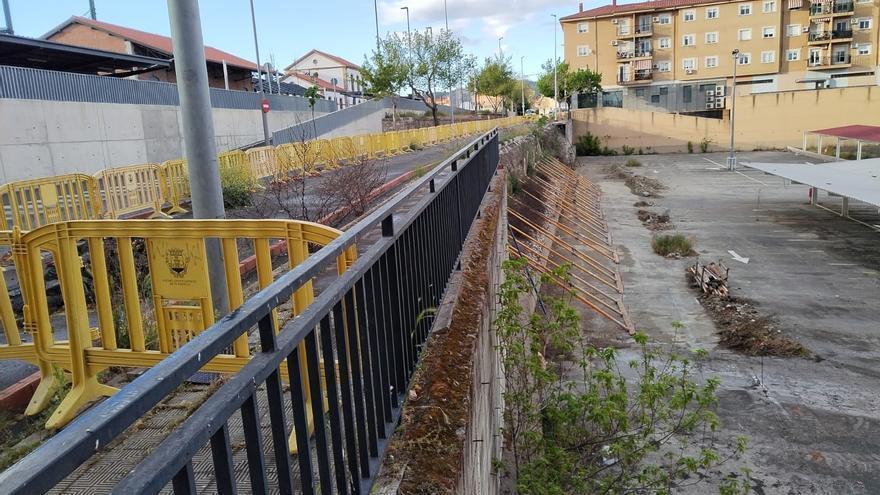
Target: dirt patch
{"points": [[642, 204], [655, 221], [745, 329], [637, 184]]}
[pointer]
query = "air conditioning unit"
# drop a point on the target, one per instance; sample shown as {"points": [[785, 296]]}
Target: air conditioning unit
{"points": [[613, 42], [655, 66], [719, 90], [613, 21], [655, 19], [806, 29], [689, 71], [710, 94], [710, 105], [719, 104], [853, 21]]}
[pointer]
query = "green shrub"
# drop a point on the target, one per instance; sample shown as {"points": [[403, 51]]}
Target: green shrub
{"points": [[640, 151], [513, 184], [632, 162], [238, 185], [704, 145], [606, 151], [667, 244], [588, 145], [690, 147], [628, 150]]}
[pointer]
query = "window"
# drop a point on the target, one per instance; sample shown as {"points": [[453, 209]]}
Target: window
{"points": [[655, 98], [690, 15], [712, 12], [665, 19], [792, 55], [688, 40], [769, 6], [863, 49], [664, 91], [744, 59], [745, 9], [793, 30], [583, 50], [865, 23], [768, 32], [583, 27], [664, 42], [640, 92], [664, 66], [712, 37], [689, 64], [687, 94], [744, 34], [711, 61], [768, 57]]}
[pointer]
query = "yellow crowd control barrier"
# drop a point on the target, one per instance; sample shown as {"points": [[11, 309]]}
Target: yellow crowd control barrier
{"points": [[29, 204], [14, 347], [175, 180], [263, 162], [131, 189], [143, 317]]}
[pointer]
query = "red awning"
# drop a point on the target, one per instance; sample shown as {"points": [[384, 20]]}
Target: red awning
{"points": [[642, 65]]}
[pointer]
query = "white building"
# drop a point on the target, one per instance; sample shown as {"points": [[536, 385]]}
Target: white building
{"points": [[338, 79]]}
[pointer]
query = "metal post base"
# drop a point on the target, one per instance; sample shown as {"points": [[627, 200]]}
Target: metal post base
{"points": [[731, 163]]}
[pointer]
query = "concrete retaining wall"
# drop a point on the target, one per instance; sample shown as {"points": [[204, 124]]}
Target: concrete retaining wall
{"points": [[39, 138], [768, 120]]}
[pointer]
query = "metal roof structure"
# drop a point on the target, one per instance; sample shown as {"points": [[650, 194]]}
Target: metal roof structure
{"points": [[862, 132], [18, 51], [855, 179]]}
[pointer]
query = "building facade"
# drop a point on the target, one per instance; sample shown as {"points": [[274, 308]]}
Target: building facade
{"points": [[670, 54], [337, 79]]}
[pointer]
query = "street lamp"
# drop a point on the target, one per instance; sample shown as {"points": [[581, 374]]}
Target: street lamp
{"points": [[267, 141], [500, 52], [408, 38], [731, 158], [522, 84], [376, 13], [555, 67]]}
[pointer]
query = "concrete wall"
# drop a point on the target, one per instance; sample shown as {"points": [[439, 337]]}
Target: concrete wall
{"points": [[768, 120], [40, 138]]}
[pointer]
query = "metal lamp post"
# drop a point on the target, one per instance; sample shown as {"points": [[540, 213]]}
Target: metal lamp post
{"points": [[408, 36], [555, 67], [731, 158], [522, 84], [500, 52], [266, 139], [376, 13]]}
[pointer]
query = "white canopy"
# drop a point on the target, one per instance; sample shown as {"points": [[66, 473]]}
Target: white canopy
{"points": [[856, 179]]}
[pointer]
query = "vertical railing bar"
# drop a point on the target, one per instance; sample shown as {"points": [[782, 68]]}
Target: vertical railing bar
{"points": [[314, 373], [364, 328], [345, 391], [250, 419], [275, 397], [333, 399], [378, 350], [301, 422], [356, 380], [391, 328], [184, 482], [224, 469]]}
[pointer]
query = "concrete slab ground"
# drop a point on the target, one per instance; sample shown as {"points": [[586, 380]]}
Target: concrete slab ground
{"points": [[816, 429]]}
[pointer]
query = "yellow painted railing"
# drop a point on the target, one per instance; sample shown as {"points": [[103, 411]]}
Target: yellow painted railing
{"points": [[132, 189], [150, 294], [29, 204]]}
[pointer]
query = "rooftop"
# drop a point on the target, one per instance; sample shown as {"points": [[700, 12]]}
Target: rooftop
{"points": [[154, 41], [341, 61], [657, 5], [863, 132], [18, 51]]}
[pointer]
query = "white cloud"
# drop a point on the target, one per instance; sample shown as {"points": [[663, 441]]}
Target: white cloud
{"points": [[493, 17]]}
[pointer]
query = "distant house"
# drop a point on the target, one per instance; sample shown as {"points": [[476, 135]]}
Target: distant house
{"points": [[337, 79], [81, 31]]}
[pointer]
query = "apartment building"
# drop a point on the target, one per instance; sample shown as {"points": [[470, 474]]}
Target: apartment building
{"points": [[670, 53], [337, 78]]}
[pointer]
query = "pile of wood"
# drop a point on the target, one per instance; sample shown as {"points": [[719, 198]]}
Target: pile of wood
{"points": [[711, 278]]}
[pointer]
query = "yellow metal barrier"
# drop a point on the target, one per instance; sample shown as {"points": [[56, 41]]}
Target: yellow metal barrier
{"points": [[263, 162], [131, 189], [175, 180], [15, 347], [29, 204], [138, 325]]}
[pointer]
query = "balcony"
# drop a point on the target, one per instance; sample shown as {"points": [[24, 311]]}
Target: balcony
{"points": [[832, 9], [637, 77], [625, 55], [643, 30], [837, 61], [830, 36], [624, 31]]}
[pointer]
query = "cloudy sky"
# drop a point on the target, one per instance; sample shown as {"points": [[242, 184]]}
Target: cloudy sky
{"points": [[289, 28]]}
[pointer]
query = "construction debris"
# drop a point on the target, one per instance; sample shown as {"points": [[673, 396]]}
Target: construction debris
{"points": [[711, 278]]}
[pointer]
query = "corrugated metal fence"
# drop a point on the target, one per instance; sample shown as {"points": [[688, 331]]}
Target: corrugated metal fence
{"points": [[36, 84]]}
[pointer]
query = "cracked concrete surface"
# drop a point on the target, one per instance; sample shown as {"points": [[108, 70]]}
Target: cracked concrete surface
{"points": [[816, 429]]}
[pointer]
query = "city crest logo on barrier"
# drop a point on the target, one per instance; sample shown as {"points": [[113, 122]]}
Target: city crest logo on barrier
{"points": [[178, 261]]}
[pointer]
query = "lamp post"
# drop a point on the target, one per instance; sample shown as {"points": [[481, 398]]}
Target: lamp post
{"points": [[408, 36], [500, 52], [731, 158], [555, 67], [451, 91], [266, 139], [522, 84], [376, 13]]}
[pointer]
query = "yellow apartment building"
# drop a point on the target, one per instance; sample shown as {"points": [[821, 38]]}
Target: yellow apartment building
{"points": [[677, 55]]}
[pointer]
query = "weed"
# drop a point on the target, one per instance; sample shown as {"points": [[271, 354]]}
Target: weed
{"points": [[704, 145], [514, 185], [627, 150], [237, 185], [632, 162], [690, 147], [672, 244]]}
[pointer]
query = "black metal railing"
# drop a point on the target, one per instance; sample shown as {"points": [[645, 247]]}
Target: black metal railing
{"points": [[370, 321], [841, 33]]}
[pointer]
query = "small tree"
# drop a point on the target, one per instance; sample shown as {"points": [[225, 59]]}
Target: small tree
{"points": [[582, 81], [495, 79], [385, 74]]}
